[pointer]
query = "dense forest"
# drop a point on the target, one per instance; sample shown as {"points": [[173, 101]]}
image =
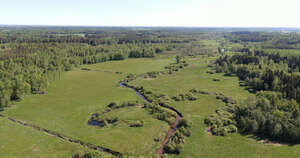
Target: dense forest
{"points": [[273, 76]]}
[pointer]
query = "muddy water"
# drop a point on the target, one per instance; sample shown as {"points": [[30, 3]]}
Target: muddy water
{"points": [[173, 127]]}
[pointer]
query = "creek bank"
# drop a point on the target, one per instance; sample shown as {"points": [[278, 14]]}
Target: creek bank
{"points": [[173, 126], [66, 138]]}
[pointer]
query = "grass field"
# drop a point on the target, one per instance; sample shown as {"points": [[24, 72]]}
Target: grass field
{"points": [[284, 52], [202, 144], [19, 141], [128, 114], [135, 66], [70, 102]]}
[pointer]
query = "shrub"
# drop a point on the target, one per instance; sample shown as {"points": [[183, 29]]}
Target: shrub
{"points": [[112, 105], [175, 143], [183, 97], [190, 97], [135, 123], [232, 128], [185, 131], [89, 155], [216, 79], [175, 98], [152, 74], [85, 69], [183, 123], [210, 72], [223, 121]]}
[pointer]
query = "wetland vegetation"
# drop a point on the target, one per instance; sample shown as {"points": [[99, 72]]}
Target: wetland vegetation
{"points": [[149, 92]]}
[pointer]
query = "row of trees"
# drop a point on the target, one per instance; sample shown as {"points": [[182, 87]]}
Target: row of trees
{"points": [[264, 71], [28, 67], [92, 35], [274, 112], [263, 39]]}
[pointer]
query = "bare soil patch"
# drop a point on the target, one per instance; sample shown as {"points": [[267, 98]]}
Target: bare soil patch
{"points": [[268, 142], [208, 131]]}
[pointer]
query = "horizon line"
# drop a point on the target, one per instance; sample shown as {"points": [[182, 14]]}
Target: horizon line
{"points": [[149, 26]]}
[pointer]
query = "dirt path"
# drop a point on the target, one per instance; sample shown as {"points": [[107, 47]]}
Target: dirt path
{"points": [[65, 138]]}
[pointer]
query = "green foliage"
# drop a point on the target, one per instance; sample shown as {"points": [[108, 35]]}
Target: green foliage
{"points": [[178, 58], [183, 97], [175, 143], [270, 115], [275, 113], [223, 121], [92, 155], [225, 99], [35, 60], [263, 71], [160, 113], [151, 74]]}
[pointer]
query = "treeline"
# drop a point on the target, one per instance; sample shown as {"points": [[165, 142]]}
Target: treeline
{"points": [[264, 71], [29, 67], [247, 36], [274, 112], [94, 35], [267, 114], [271, 40], [270, 115]]}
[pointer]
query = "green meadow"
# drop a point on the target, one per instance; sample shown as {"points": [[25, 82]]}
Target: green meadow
{"points": [[201, 143], [71, 100], [19, 141]]}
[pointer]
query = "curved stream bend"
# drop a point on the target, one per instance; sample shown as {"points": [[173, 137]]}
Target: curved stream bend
{"points": [[173, 127]]}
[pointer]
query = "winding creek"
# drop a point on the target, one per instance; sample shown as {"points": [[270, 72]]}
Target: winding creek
{"points": [[173, 127], [64, 137], [159, 151]]}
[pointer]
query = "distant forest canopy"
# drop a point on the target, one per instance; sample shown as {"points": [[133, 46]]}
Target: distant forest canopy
{"points": [[31, 57], [271, 40]]}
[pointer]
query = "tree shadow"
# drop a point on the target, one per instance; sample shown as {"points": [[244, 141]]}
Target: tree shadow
{"points": [[268, 140]]}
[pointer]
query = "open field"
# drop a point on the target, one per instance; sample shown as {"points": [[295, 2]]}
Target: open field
{"points": [[133, 65], [19, 141], [201, 143], [284, 52], [149, 92], [70, 102]]}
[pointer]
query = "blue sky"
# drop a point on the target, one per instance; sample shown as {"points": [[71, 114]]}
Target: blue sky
{"points": [[199, 13]]}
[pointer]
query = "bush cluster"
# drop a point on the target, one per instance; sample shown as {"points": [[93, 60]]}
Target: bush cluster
{"points": [[194, 91], [174, 67], [135, 123], [183, 97], [92, 155], [152, 74], [176, 141], [223, 121], [225, 99], [160, 113], [268, 114]]}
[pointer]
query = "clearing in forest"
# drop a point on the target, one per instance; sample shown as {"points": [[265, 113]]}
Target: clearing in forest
{"points": [[71, 100]]}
